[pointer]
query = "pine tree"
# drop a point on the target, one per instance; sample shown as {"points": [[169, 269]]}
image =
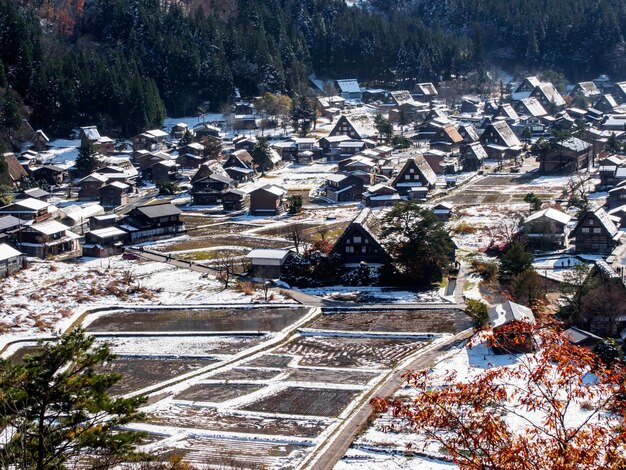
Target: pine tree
{"points": [[11, 119], [87, 160], [261, 155], [59, 407]]}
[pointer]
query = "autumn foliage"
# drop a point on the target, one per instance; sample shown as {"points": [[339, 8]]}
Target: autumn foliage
{"points": [[559, 408]]}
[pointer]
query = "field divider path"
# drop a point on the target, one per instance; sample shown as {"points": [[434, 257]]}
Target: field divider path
{"points": [[281, 338], [328, 452]]}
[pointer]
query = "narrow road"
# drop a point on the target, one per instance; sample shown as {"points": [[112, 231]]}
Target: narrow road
{"points": [[334, 448]]}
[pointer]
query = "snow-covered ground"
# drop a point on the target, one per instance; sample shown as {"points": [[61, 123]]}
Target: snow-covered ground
{"points": [[45, 296], [375, 294]]}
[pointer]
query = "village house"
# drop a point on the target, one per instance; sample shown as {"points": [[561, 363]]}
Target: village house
{"points": [[165, 170], [50, 238], [114, 194], [328, 143], [245, 142], [529, 107], [11, 260], [208, 190], [244, 122], [546, 229], [525, 88], [40, 140], [9, 226], [36, 193], [619, 92], [91, 135], [105, 242], [52, 175], [606, 104], [505, 111], [472, 156], [349, 89], [152, 222], [235, 200], [102, 221], [410, 111], [89, 187], [381, 195], [414, 177], [548, 96], [424, 92], [443, 211], [585, 90], [596, 233], [356, 127], [342, 188], [500, 141], [29, 209], [267, 200], [565, 157], [267, 263], [178, 130], [206, 130], [77, 216], [468, 133], [501, 316], [16, 172], [358, 243], [239, 165], [471, 105], [447, 139], [150, 140]]}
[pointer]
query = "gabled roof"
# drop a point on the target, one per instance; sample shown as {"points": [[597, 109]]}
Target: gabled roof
{"points": [[159, 210], [349, 86], [268, 253], [470, 130], [550, 213], [550, 92], [603, 218], [36, 193], [16, 171], [30, 204], [507, 111], [575, 144], [452, 134], [7, 252], [505, 133], [8, 222], [608, 100], [531, 107], [272, 189], [91, 133], [423, 168], [42, 134], [49, 227], [508, 312], [587, 89], [401, 96], [425, 89]]}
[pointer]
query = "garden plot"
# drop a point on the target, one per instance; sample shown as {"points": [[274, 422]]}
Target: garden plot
{"points": [[246, 373], [181, 345], [423, 320], [141, 372], [270, 360], [221, 420], [305, 401], [216, 392], [332, 376], [351, 352], [218, 319], [236, 453]]}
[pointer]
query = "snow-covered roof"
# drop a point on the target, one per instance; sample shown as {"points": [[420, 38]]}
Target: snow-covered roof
{"points": [[267, 253], [32, 204], [107, 232], [550, 213], [49, 227], [8, 221], [349, 86], [508, 312], [7, 252]]}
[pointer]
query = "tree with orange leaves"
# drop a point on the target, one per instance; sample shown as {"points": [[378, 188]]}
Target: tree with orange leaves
{"points": [[559, 408]]}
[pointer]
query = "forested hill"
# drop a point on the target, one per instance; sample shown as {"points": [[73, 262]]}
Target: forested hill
{"points": [[579, 37], [122, 63]]}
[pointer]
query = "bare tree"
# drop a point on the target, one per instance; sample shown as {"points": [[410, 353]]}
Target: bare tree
{"points": [[298, 236], [225, 269]]}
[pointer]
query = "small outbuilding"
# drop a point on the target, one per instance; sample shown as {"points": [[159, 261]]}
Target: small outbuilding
{"points": [[267, 263]]}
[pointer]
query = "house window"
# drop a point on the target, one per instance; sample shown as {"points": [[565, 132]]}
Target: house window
{"points": [[407, 177], [590, 221], [357, 239], [597, 230], [585, 230], [349, 249], [363, 249], [411, 170]]}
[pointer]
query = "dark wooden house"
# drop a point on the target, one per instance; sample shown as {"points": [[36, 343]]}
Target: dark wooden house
{"points": [[208, 191], [342, 188], [358, 243], [596, 233], [566, 157], [153, 221], [235, 200], [415, 174], [267, 200]]}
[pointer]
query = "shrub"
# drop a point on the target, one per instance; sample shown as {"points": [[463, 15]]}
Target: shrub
{"points": [[463, 228], [477, 310]]}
